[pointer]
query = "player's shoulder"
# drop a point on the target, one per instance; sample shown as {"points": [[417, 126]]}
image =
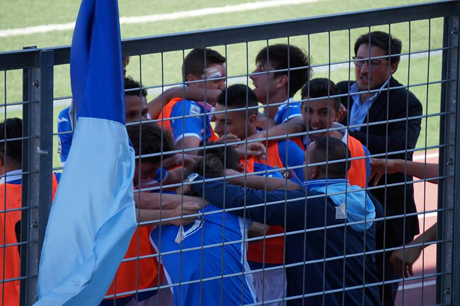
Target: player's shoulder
{"points": [[187, 107]]}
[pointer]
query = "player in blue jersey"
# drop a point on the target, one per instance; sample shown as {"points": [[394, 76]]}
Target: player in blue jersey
{"points": [[281, 70], [135, 110], [236, 120], [209, 255], [189, 120], [236, 117]]}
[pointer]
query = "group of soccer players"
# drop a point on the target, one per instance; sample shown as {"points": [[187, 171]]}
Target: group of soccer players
{"points": [[270, 206]]}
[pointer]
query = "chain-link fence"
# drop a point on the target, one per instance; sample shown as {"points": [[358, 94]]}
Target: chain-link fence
{"points": [[260, 152]]}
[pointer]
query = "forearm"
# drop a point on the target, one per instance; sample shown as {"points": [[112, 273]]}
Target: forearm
{"points": [[264, 183], [428, 236], [229, 196], [293, 126], [144, 215], [165, 201], [189, 142], [420, 170]]}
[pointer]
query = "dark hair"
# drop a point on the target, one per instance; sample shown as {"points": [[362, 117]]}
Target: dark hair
{"points": [[391, 45], [149, 138], [133, 88], [239, 96], [322, 87], [194, 62], [9, 129], [328, 149], [283, 56], [212, 164], [226, 154]]}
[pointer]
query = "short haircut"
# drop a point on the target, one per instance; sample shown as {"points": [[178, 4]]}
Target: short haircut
{"points": [[149, 138], [10, 129], [329, 149], [212, 164], [391, 45], [239, 96], [322, 87], [133, 88], [283, 56], [226, 154], [198, 60]]}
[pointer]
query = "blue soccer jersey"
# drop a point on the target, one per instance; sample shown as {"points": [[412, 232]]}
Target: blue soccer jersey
{"points": [[191, 121], [65, 125], [292, 155], [287, 111], [198, 253]]}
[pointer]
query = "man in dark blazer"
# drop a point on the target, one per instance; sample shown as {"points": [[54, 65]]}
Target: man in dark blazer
{"points": [[385, 117]]}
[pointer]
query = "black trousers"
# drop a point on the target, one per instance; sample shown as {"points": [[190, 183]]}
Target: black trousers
{"points": [[386, 271]]}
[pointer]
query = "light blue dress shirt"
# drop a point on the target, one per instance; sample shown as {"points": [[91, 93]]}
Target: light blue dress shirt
{"points": [[360, 110]]}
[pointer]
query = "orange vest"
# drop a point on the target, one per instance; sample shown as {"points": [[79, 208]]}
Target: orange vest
{"points": [[11, 198], [248, 163], [299, 142], [274, 247], [136, 274], [357, 174], [166, 122]]}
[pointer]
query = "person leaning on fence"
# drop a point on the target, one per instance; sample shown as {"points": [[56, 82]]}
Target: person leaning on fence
{"points": [[235, 120], [281, 70], [377, 98], [11, 203], [320, 112], [191, 127], [330, 258], [135, 109], [211, 252]]}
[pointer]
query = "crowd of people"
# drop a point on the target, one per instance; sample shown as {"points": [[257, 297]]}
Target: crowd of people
{"points": [[249, 206]]}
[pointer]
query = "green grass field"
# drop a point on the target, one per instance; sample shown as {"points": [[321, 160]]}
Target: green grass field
{"points": [[423, 35]]}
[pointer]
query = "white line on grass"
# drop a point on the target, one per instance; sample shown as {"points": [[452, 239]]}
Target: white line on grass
{"points": [[250, 6]]}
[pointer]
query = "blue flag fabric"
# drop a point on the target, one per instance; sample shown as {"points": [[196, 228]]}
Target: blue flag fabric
{"points": [[92, 219]]}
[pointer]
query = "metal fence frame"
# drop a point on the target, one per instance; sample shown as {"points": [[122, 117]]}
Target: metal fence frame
{"points": [[38, 70]]}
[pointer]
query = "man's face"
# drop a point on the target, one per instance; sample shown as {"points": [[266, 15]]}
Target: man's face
{"points": [[215, 78], [135, 108], [264, 83], [232, 122], [374, 71], [144, 171], [319, 115]]}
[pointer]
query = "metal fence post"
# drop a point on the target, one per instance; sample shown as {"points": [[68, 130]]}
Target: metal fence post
{"points": [[447, 263], [37, 164]]}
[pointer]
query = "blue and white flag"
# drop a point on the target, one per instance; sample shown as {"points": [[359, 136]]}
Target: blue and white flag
{"points": [[93, 216]]}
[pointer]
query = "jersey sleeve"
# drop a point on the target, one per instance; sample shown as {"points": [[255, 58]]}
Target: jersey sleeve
{"points": [[292, 155], [65, 134], [188, 126], [287, 113]]}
